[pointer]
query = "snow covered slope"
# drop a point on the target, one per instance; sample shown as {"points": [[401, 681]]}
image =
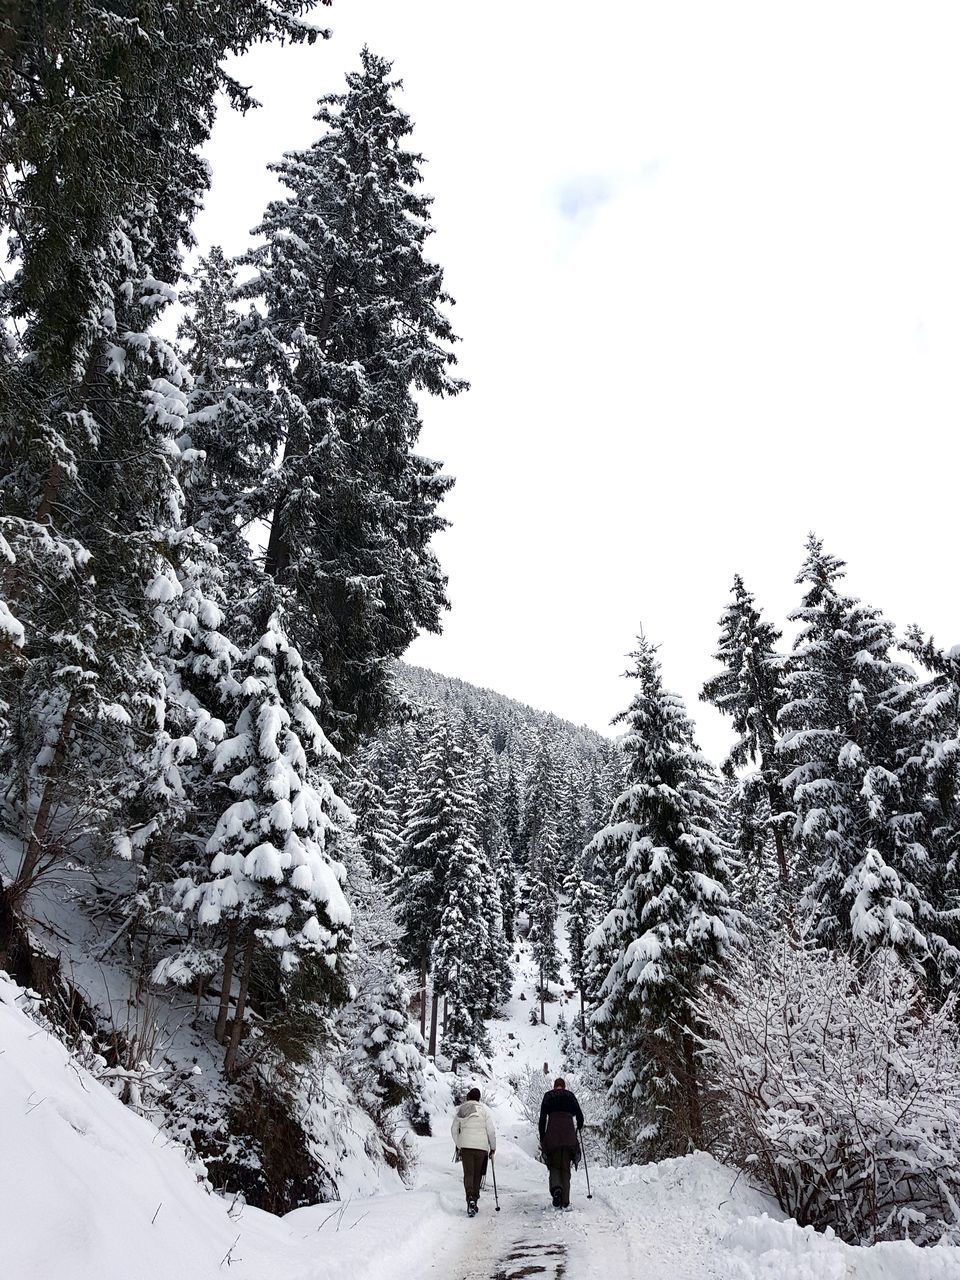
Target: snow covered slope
{"points": [[90, 1191]]}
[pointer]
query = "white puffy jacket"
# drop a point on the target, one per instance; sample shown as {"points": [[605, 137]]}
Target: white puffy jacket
{"points": [[473, 1127]]}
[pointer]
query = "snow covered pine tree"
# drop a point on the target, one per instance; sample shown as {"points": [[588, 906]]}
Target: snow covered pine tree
{"points": [[670, 926], [353, 323], [869, 881]]}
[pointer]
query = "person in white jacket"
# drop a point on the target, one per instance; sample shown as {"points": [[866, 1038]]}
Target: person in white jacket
{"points": [[475, 1138]]}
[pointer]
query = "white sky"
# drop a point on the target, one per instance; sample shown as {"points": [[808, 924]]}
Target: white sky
{"points": [[707, 264]]}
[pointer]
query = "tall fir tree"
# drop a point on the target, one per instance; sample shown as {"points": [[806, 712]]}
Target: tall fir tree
{"points": [[869, 878], [102, 121], [375, 823], [463, 950], [353, 314], [271, 876], [934, 712], [542, 895], [671, 924], [749, 689]]}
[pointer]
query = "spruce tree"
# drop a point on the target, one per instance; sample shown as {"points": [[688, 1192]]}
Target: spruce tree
{"points": [[102, 121], [512, 814], [869, 878], [441, 816], [234, 413], [933, 709], [270, 876], [543, 902], [587, 908], [375, 826], [353, 311], [749, 689], [463, 950], [670, 926], [386, 1053]]}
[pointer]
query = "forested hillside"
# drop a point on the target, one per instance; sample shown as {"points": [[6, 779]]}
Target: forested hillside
{"points": [[475, 811]]}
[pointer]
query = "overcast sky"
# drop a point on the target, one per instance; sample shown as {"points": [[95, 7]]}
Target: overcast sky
{"points": [[707, 266]]}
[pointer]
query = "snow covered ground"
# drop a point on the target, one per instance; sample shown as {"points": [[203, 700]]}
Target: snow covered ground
{"points": [[91, 1191]]}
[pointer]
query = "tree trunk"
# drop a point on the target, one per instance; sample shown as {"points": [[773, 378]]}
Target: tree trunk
{"points": [[434, 1007], [6, 925], [40, 829], [444, 1024], [51, 491], [228, 962], [236, 1031], [781, 855], [277, 555], [583, 1022], [692, 1090], [543, 997], [423, 996]]}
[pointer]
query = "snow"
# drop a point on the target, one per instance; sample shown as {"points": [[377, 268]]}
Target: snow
{"points": [[97, 1193], [10, 626]]}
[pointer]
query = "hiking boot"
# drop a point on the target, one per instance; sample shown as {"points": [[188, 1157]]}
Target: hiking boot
{"points": [[557, 1198], [471, 1208]]}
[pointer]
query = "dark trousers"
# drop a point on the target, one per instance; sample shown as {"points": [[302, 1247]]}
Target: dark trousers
{"points": [[474, 1163], [558, 1162]]}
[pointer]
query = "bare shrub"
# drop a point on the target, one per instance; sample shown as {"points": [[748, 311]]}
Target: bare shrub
{"points": [[529, 1084], [839, 1089]]}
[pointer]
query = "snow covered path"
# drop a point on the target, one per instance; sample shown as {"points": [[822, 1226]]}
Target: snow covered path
{"points": [[90, 1191]]}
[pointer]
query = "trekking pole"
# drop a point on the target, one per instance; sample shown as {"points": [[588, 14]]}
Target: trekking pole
{"points": [[493, 1170], [585, 1169]]}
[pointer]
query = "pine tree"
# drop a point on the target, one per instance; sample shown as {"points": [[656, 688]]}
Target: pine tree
{"points": [[462, 950], [493, 962], [375, 826], [934, 726], [749, 690], [387, 1053], [506, 877], [587, 910], [234, 413], [868, 874], [270, 874], [543, 900], [102, 121], [512, 815], [352, 308], [441, 814], [670, 926], [540, 799]]}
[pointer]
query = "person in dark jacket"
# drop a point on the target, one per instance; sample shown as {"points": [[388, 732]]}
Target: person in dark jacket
{"points": [[560, 1123]]}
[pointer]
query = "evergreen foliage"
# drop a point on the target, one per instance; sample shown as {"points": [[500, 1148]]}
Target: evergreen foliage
{"points": [[671, 924], [749, 690], [857, 790], [353, 321]]}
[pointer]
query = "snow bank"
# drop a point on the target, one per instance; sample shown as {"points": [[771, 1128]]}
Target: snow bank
{"points": [[763, 1249], [720, 1226], [91, 1190]]}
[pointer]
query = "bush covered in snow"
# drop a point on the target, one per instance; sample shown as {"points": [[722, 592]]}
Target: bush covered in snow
{"points": [[839, 1089]]}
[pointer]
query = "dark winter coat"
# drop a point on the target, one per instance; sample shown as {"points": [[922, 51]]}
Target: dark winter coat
{"points": [[560, 1121]]}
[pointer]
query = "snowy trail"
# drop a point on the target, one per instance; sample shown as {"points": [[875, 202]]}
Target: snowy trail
{"points": [[95, 1193], [631, 1227]]}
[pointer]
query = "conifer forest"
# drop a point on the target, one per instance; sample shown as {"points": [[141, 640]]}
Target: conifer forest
{"points": [[274, 896]]}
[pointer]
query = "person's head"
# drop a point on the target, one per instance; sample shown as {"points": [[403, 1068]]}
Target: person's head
{"points": [[473, 1095], [559, 1083]]}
